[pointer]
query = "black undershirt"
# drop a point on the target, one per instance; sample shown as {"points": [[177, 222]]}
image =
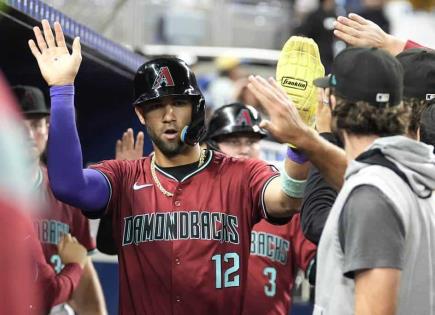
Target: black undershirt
{"points": [[181, 171]]}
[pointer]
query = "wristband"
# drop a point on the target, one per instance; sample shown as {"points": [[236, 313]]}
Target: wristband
{"points": [[293, 188], [296, 155]]}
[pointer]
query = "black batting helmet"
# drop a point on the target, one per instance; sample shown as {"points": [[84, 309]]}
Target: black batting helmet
{"points": [[171, 77], [234, 118]]}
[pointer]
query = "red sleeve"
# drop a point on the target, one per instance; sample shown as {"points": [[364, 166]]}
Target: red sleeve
{"points": [[410, 44], [259, 175], [82, 231], [53, 289], [303, 250]]}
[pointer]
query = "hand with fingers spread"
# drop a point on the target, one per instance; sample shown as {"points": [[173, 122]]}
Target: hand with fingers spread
{"points": [[324, 110], [285, 124], [57, 65], [360, 32], [71, 251], [127, 148]]}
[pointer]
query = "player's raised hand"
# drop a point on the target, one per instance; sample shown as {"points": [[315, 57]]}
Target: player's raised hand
{"points": [[57, 65], [359, 32], [71, 251], [284, 124], [127, 148]]}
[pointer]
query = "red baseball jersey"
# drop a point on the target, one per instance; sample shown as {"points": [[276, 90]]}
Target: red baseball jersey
{"points": [[186, 254], [276, 254], [55, 218]]}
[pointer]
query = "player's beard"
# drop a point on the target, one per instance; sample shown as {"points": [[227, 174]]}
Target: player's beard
{"points": [[169, 149]]}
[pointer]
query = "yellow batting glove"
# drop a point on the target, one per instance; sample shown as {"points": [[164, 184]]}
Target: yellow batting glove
{"points": [[298, 65]]}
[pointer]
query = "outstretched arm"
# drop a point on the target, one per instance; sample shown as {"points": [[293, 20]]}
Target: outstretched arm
{"points": [[287, 127], [360, 32], [85, 189], [283, 194]]}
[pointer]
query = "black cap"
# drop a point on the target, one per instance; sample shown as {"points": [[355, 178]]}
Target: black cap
{"points": [[366, 74], [31, 100], [419, 68]]}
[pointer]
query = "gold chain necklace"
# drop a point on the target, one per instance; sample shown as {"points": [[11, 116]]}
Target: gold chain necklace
{"points": [[156, 180]]}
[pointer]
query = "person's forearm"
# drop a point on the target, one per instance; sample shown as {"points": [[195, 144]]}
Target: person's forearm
{"points": [[394, 45], [328, 158], [85, 189], [284, 194], [297, 171], [88, 298], [376, 291], [56, 289]]}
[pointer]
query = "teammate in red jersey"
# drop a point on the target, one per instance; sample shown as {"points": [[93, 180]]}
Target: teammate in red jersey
{"points": [[54, 218], [276, 251], [28, 284], [183, 216]]}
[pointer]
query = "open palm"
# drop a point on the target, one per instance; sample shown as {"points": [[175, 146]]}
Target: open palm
{"points": [[57, 65], [285, 123]]}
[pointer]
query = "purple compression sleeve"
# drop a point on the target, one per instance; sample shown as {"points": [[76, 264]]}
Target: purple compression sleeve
{"points": [[85, 189]]}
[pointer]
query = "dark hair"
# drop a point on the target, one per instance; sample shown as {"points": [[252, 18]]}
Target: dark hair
{"points": [[417, 107], [427, 128], [362, 118], [427, 136]]}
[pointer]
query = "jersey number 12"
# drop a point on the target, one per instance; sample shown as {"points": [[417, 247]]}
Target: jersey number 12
{"points": [[229, 279]]}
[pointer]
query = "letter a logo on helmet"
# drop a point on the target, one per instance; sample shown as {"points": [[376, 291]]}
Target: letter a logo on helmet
{"points": [[165, 77], [244, 119]]}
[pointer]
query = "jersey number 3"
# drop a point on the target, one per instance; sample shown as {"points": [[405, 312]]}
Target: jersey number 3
{"points": [[270, 288], [230, 279]]}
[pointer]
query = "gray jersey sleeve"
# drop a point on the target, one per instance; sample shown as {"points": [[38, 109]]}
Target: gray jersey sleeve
{"points": [[371, 233]]}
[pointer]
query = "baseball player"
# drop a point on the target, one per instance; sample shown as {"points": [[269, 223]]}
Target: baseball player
{"points": [[182, 216], [28, 283], [382, 220], [277, 251], [55, 218]]}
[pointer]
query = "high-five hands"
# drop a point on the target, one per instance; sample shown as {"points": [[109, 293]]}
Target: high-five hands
{"points": [[285, 124], [57, 65], [127, 148], [360, 32]]}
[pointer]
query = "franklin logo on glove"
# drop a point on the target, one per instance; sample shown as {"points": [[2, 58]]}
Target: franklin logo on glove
{"points": [[294, 83], [298, 65]]}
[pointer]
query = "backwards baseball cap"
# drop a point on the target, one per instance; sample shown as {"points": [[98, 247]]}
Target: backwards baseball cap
{"points": [[419, 69], [31, 100], [366, 74]]}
